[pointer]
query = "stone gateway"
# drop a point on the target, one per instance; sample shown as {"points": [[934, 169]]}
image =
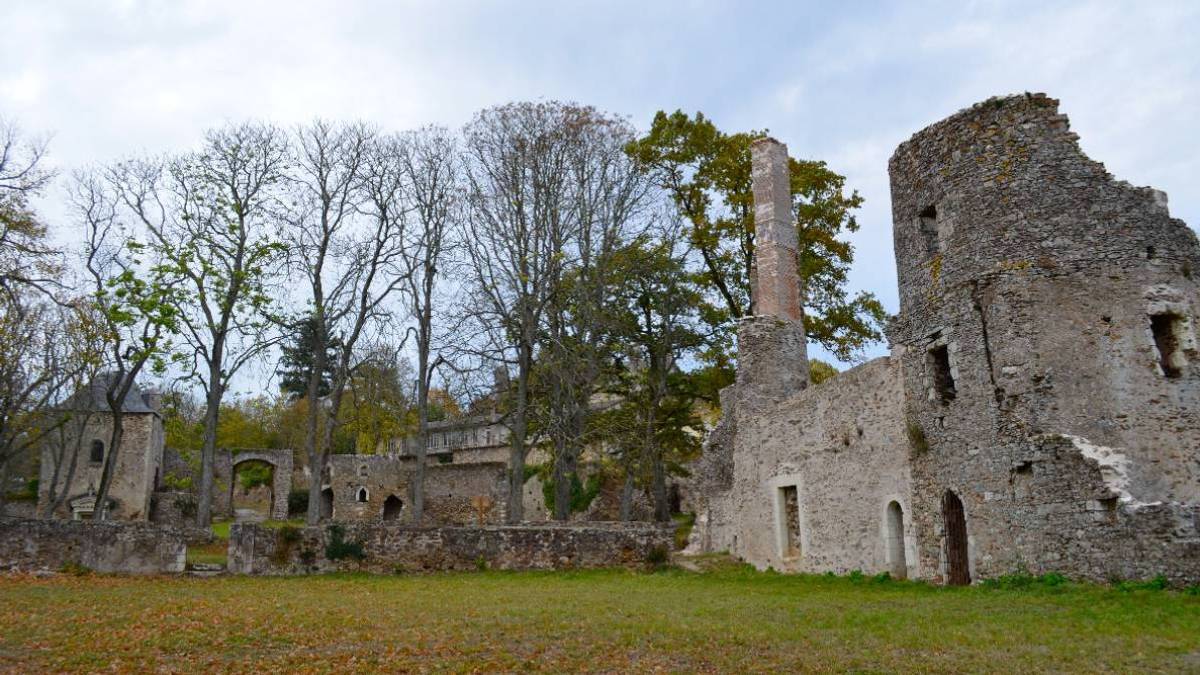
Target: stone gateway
{"points": [[1040, 409]]}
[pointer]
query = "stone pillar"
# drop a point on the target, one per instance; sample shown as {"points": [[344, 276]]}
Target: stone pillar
{"points": [[776, 281], [772, 348]]}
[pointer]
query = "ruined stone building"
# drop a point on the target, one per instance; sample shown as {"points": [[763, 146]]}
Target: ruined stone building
{"points": [[71, 462], [1040, 408]]}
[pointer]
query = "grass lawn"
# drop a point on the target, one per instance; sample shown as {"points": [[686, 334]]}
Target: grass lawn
{"points": [[728, 619]]}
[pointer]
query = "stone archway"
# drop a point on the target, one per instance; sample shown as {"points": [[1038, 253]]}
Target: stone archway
{"points": [[894, 529], [281, 476]]}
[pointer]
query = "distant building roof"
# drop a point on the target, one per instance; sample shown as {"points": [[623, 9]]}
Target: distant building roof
{"points": [[94, 397]]}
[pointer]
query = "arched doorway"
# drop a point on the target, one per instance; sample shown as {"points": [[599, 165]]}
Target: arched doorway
{"points": [[897, 562], [392, 506], [239, 464], [958, 566], [251, 490]]}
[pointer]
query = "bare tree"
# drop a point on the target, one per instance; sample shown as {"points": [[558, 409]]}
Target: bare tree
{"points": [[431, 169], [133, 303], [83, 338], [209, 217], [354, 265], [27, 260], [517, 159], [39, 366]]}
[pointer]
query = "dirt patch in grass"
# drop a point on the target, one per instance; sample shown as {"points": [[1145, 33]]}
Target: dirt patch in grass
{"points": [[728, 618]]}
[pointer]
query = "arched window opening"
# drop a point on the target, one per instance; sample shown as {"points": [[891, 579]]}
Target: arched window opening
{"points": [[97, 454], [897, 563], [362, 495], [362, 470]]}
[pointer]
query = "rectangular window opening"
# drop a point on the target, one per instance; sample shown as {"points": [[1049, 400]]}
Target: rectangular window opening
{"points": [[929, 230], [789, 497], [1168, 339], [940, 373]]}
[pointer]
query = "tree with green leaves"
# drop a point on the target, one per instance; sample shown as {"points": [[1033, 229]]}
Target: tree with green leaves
{"points": [[661, 329], [209, 221], [707, 174], [297, 359]]}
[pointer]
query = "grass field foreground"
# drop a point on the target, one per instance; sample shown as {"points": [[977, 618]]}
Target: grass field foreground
{"points": [[730, 619]]}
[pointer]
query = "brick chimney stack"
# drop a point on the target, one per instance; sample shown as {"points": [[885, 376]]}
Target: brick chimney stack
{"points": [[776, 283], [772, 349]]}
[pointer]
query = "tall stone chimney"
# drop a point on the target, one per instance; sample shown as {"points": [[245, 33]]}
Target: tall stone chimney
{"points": [[772, 347], [776, 283]]}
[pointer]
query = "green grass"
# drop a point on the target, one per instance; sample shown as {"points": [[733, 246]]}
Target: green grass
{"points": [[728, 618]]}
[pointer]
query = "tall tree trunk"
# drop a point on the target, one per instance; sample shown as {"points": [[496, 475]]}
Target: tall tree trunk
{"points": [[627, 497], [516, 463], [563, 471], [208, 449], [662, 505], [316, 464], [418, 484], [110, 460], [3, 486]]}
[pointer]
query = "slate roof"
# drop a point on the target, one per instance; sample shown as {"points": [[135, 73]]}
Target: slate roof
{"points": [[92, 398]]}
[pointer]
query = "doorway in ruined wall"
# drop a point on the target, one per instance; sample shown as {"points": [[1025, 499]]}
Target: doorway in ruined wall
{"points": [[894, 521], [392, 506], [326, 510], [789, 497], [251, 493], [958, 566]]}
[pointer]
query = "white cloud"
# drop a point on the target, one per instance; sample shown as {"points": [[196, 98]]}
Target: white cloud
{"points": [[845, 84]]}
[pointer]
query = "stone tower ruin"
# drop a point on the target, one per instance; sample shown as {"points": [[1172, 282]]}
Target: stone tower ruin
{"points": [[1047, 342]]}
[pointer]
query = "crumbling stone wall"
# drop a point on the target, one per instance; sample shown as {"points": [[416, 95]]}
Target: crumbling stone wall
{"points": [[1038, 274], [388, 548], [111, 546], [449, 489], [841, 447]]}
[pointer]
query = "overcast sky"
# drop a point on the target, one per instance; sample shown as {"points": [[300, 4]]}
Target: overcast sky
{"points": [[844, 84]]}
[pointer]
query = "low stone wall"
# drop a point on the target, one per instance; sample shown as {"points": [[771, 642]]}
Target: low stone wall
{"points": [[389, 548], [20, 508], [123, 547]]}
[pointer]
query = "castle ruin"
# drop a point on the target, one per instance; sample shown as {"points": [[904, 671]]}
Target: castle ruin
{"points": [[1040, 408]]}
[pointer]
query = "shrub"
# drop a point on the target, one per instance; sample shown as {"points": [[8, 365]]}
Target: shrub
{"points": [[1158, 583], [286, 539], [916, 437], [882, 578], [297, 502], [75, 569], [308, 556], [581, 494], [657, 556], [339, 549], [856, 575], [186, 505], [1023, 579], [177, 483], [481, 564]]}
